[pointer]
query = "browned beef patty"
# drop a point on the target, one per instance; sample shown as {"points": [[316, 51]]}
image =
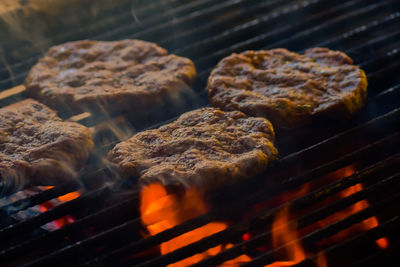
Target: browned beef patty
{"points": [[36, 146], [127, 75], [289, 88], [205, 148]]}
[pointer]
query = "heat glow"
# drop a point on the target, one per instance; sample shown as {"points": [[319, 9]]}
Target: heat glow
{"points": [[358, 206], [68, 219], [283, 234], [160, 211]]}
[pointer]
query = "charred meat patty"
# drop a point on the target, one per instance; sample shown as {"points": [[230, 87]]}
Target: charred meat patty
{"points": [[205, 148], [289, 88], [37, 147], [120, 76]]}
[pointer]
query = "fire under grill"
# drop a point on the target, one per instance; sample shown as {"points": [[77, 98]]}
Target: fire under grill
{"points": [[336, 184]]}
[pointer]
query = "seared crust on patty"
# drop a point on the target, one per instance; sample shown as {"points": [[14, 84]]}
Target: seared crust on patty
{"points": [[36, 146], [289, 88], [127, 75], [205, 148]]}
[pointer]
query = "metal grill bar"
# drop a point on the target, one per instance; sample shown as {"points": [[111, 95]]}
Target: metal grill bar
{"points": [[381, 101], [52, 214], [362, 31], [21, 76], [154, 20], [357, 217], [202, 77], [17, 67], [382, 75], [182, 14], [98, 217], [313, 217], [263, 41], [214, 27], [144, 15], [173, 232], [142, 9], [331, 229], [313, 153], [384, 21], [367, 237], [332, 26], [295, 181], [363, 51], [388, 93], [108, 235], [195, 12], [378, 258], [370, 65], [69, 251], [112, 22], [264, 219], [239, 32], [380, 118], [44, 196], [289, 183]]}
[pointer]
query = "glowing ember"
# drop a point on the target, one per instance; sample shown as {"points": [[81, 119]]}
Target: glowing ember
{"points": [[286, 237], [61, 222], [370, 222], [66, 197], [69, 196], [359, 206], [160, 211], [382, 242]]}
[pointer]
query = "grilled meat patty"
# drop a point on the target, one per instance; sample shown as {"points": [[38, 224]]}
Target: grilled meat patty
{"points": [[121, 76], [205, 148], [288, 88], [37, 147]]}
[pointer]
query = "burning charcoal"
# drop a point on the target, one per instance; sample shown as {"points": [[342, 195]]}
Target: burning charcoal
{"points": [[34, 211]]}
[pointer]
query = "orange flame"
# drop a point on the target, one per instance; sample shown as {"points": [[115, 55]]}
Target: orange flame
{"points": [[68, 219], [160, 211], [321, 260], [285, 234], [359, 206]]}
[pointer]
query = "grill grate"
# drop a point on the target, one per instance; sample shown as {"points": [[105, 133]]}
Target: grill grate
{"points": [[206, 31], [263, 219]]}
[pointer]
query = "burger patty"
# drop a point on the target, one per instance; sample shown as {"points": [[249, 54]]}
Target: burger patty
{"points": [[205, 148], [127, 75], [288, 88], [37, 147]]}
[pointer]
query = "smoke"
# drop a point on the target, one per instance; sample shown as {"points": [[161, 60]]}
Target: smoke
{"points": [[21, 24], [28, 27], [5, 62]]}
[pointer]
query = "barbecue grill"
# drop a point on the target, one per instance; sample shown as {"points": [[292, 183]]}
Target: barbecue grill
{"points": [[106, 227]]}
